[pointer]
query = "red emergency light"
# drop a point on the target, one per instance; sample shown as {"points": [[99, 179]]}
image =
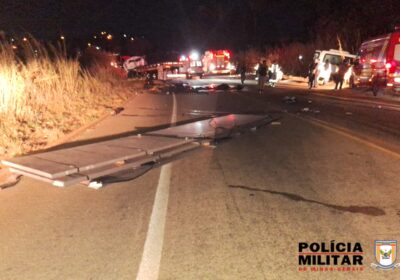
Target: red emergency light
{"points": [[183, 58], [391, 66], [227, 54], [219, 53]]}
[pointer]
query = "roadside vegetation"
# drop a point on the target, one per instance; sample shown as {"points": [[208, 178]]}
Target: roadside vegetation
{"points": [[45, 95]]}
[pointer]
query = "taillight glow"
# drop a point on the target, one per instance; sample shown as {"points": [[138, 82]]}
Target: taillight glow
{"points": [[390, 66]]}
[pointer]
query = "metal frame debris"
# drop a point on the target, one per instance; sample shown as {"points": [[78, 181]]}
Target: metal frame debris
{"points": [[87, 163]]}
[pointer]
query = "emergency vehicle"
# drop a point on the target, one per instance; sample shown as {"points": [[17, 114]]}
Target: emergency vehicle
{"points": [[218, 62], [378, 65], [191, 65], [328, 62]]}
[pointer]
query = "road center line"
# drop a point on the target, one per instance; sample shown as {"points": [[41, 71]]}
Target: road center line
{"points": [[346, 133], [151, 259], [360, 102]]}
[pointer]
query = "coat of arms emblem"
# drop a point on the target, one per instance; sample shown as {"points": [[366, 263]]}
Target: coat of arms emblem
{"points": [[385, 254]]}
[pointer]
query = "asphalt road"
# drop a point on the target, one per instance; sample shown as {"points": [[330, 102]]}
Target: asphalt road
{"points": [[327, 169]]}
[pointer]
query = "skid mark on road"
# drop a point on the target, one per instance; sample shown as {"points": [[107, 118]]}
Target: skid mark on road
{"points": [[151, 259], [366, 210]]}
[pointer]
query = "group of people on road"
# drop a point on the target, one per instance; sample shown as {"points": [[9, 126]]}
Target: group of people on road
{"points": [[267, 74], [264, 74], [318, 71]]}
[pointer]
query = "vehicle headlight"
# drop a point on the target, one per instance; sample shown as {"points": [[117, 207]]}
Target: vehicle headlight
{"points": [[231, 66], [212, 66], [397, 80]]}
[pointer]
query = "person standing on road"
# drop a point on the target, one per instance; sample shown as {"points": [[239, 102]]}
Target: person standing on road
{"points": [[312, 68], [316, 72], [243, 74], [343, 67], [325, 72], [311, 75], [262, 74]]}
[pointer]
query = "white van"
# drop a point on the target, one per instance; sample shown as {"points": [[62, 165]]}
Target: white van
{"points": [[328, 62]]}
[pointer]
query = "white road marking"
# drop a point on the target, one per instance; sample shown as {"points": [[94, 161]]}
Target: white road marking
{"points": [[349, 134], [151, 259], [174, 111]]}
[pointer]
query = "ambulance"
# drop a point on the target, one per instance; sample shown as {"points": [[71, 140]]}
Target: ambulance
{"points": [[378, 65]]}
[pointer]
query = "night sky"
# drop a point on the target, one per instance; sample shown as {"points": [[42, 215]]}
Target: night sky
{"points": [[174, 24]]}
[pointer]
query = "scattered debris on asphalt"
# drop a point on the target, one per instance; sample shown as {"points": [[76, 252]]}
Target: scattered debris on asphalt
{"points": [[179, 88], [289, 99], [349, 113], [171, 87], [208, 144], [306, 109], [316, 111], [117, 110], [95, 185], [8, 179], [275, 123], [220, 87]]}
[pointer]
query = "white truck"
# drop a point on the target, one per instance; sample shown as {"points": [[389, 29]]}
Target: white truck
{"points": [[187, 67], [328, 62], [131, 64]]}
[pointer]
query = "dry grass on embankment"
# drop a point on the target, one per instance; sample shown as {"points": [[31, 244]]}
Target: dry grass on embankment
{"points": [[45, 96]]}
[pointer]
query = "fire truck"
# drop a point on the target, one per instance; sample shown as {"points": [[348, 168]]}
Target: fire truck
{"points": [[218, 62]]}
